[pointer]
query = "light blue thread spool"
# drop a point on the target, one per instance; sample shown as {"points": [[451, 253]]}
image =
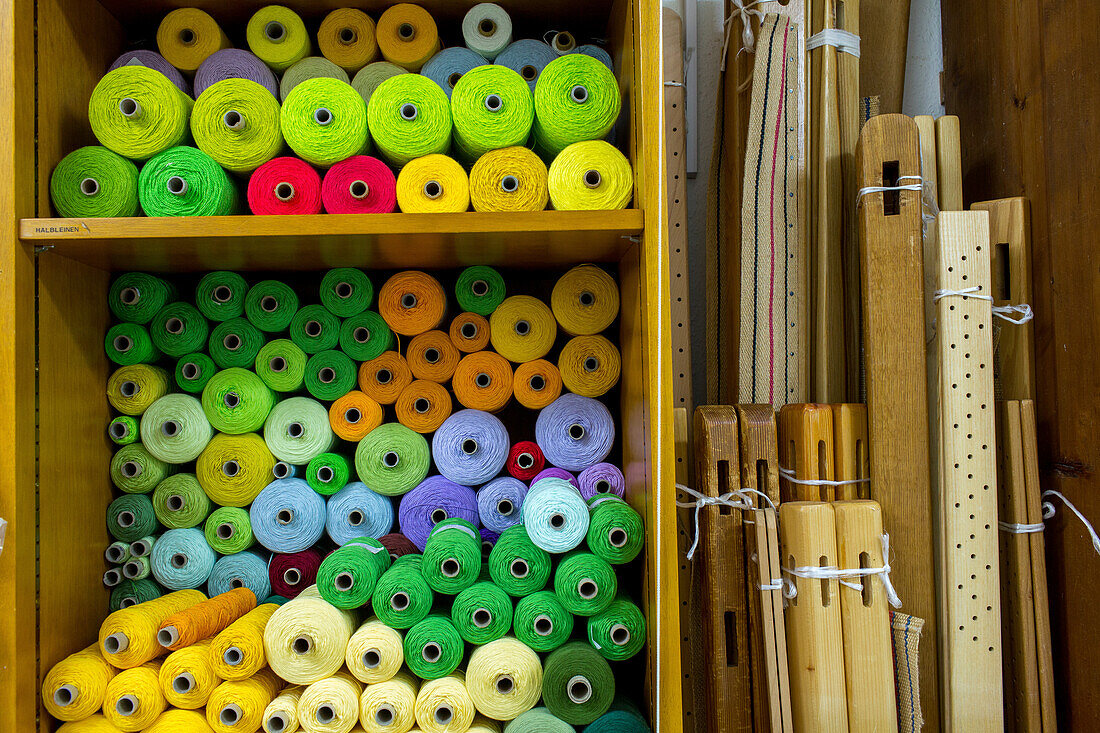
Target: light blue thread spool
{"points": [[356, 511], [555, 515]]}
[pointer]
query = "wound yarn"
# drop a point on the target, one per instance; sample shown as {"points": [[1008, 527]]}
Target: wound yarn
{"points": [[291, 573], [324, 121], [370, 76], [577, 684], [128, 637], [517, 564], [541, 621], [589, 365], [509, 179], [616, 533], [470, 447], [131, 517], [179, 502], [311, 67], [233, 469], [237, 653], [359, 185], [220, 295], [314, 329], [135, 297], [175, 429], [386, 707], [237, 123], [328, 473], [132, 389], [306, 638], [353, 416], [281, 714], [554, 472], [92, 181], [577, 98], [74, 688], [584, 583], [178, 328], [448, 66], [433, 648], [365, 336], [435, 499], [188, 36], [525, 460], [238, 705], [234, 63], [330, 374], [137, 112], [504, 678], [185, 181], [285, 185], [585, 300], [575, 432], [347, 38], [492, 108], [187, 677], [297, 430], [181, 559], [433, 184], [348, 575], [555, 515], [133, 699], [601, 478], [287, 516], [374, 652], [443, 705], [617, 632], [281, 365], [277, 36], [483, 381], [407, 35], [356, 512], [487, 29], [153, 60], [129, 343], [432, 356], [135, 471], [423, 406], [527, 57], [235, 343], [469, 332], [401, 597], [482, 613], [590, 176], [385, 377], [330, 705], [500, 502], [392, 459], [536, 384], [228, 530], [236, 401], [412, 302], [409, 116], [452, 556], [522, 329], [241, 570], [193, 371]]}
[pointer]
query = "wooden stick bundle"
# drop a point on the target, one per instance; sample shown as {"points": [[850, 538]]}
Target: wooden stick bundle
{"points": [[850, 448]]}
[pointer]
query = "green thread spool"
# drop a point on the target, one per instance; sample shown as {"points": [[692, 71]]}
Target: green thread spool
{"points": [[617, 632], [135, 471], [175, 429], [236, 401], [178, 329], [179, 502], [325, 121], [577, 683], [128, 343], [346, 291], [143, 547], [482, 613], [136, 297], [132, 592], [281, 365], [365, 336], [328, 473], [517, 565], [409, 116], [270, 305], [137, 112], [492, 108], [538, 720], [584, 583], [615, 530], [402, 598], [311, 67], [541, 622], [392, 459], [277, 36], [193, 371], [117, 553], [452, 556], [131, 517], [576, 98], [184, 181], [298, 430], [330, 375], [92, 181], [228, 530], [370, 76], [235, 343], [433, 648], [220, 295], [236, 122], [136, 568], [347, 577], [315, 329], [123, 430], [132, 389], [622, 717], [479, 289]]}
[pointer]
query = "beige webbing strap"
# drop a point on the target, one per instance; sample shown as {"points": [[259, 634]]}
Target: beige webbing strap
{"points": [[906, 631]]}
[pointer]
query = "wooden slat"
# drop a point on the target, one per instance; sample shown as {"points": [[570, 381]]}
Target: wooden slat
{"points": [[949, 164], [847, 15], [759, 450], [850, 450], [884, 31], [771, 689], [806, 447], [690, 582]]}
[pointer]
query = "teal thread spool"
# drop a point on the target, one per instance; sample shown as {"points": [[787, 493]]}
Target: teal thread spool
{"points": [[236, 122], [228, 530], [220, 295], [617, 632], [577, 683], [132, 592], [517, 565], [236, 401], [482, 613], [325, 121], [623, 717], [402, 598], [193, 371], [330, 375], [347, 577], [615, 530], [179, 502], [123, 430], [281, 365], [131, 517], [346, 292], [136, 297], [392, 459], [184, 181], [92, 181], [178, 329], [311, 67], [585, 584], [137, 112], [452, 556], [576, 98], [365, 336], [370, 76], [315, 329], [480, 289], [127, 344], [270, 305], [409, 116], [135, 471], [541, 622], [175, 428], [235, 343], [298, 430], [328, 473], [492, 108], [182, 559], [433, 648]]}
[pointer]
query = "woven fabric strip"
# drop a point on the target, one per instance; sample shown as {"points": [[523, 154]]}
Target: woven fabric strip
{"points": [[906, 630]]}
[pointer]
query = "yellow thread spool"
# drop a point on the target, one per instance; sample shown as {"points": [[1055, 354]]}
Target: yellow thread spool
{"points": [[390, 706], [504, 678], [484, 725], [238, 652], [347, 38], [585, 300], [281, 714], [131, 389], [306, 638], [75, 687], [590, 176], [94, 724], [330, 705], [134, 700], [509, 179], [522, 329], [443, 705], [233, 469], [407, 36], [589, 365], [238, 705], [187, 36], [187, 677], [375, 653], [278, 37], [180, 721], [128, 637], [433, 184]]}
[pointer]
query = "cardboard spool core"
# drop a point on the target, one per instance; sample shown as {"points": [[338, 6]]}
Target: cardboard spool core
{"points": [[183, 683], [579, 689], [63, 696], [233, 656], [544, 625]]}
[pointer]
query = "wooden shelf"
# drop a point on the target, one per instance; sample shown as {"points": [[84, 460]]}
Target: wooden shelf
{"points": [[362, 240]]}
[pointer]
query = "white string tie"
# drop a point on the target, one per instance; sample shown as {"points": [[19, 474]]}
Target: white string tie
{"points": [[841, 40], [918, 186], [788, 475], [829, 572], [703, 501], [1048, 512], [674, 83], [744, 11], [971, 292], [1015, 314], [1021, 528]]}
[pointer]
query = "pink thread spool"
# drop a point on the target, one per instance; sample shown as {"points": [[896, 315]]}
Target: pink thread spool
{"points": [[359, 185], [285, 186]]}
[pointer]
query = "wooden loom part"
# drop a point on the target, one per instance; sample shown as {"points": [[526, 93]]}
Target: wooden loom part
{"points": [[949, 163], [690, 581], [850, 450], [759, 450], [847, 17], [806, 447]]}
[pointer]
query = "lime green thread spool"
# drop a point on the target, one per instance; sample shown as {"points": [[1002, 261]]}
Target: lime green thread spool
{"points": [[370, 76], [315, 329], [365, 336], [325, 121], [179, 502], [175, 428], [330, 374], [132, 389], [228, 530], [482, 613], [137, 112], [492, 108], [220, 295], [236, 401], [392, 459], [277, 36], [185, 181], [433, 648], [281, 365], [128, 343], [346, 291], [311, 67], [135, 471], [123, 430], [328, 473], [591, 175], [236, 122], [541, 622], [402, 598], [178, 328], [136, 297], [93, 181], [576, 98], [409, 116], [193, 371], [270, 305], [235, 343]]}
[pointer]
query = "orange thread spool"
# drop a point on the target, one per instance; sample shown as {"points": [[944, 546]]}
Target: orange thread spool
{"points": [[384, 378], [536, 384], [205, 619], [354, 415], [483, 381], [469, 332], [432, 356], [423, 406], [412, 302]]}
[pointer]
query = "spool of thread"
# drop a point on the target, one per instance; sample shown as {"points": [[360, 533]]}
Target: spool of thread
{"points": [[234, 63], [623, 717], [584, 583], [128, 637], [235, 343], [591, 175], [423, 406], [483, 381], [577, 98], [136, 297], [135, 471], [509, 179], [347, 38], [446, 67], [538, 720], [92, 181], [555, 472], [277, 36], [346, 291], [297, 430], [181, 559], [484, 725], [188, 36], [433, 648], [270, 305], [353, 416], [374, 653], [615, 531], [385, 377], [585, 300], [178, 328], [130, 517], [281, 365], [204, 619], [525, 460], [193, 371], [527, 57], [153, 60], [290, 573], [434, 500], [143, 547], [311, 67], [330, 705], [324, 121], [94, 724], [444, 705], [234, 468], [238, 705], [600, 479], [359, 185], [236, 401], [287, 516], [542, 622], [314, 329], [522, 329], [617, 632], [370, 76], [133, 699], [285, 186], [492, 108], [229, 531], [330, 375], [536, 384], [412, 302], [431, 356], [137, 112], [184, 181], [74, 688], [132, 389], [469, 332], [407, 36], [471, 447], [306, 638], [402, 597], [175, 428], [236, 122], [136, 568], [499, 503], [452, 556], [389, 707], [132, 592], [504, 678], [487, 29], [563, 42], [117, 553], [281, 714], [328, 473], [575, 432], [244, 571], [577, 683], [392, 459], [409, 116], [555, 515], [589, 365], [179, 502], [482, 613], [365, 336], [187, 677], [356, 512], [398, 545], [597, 53], [433, 184], [517, 565], [129, 343], [238, 652], [219, 296]]}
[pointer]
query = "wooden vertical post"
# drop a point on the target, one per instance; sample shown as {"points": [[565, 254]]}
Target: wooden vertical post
{"points": [[806, 448]]}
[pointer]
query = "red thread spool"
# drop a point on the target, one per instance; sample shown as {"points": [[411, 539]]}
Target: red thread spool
{"points": [[359, 185], [525, 460], [293, 573], [285, 186], [398, 544]]}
